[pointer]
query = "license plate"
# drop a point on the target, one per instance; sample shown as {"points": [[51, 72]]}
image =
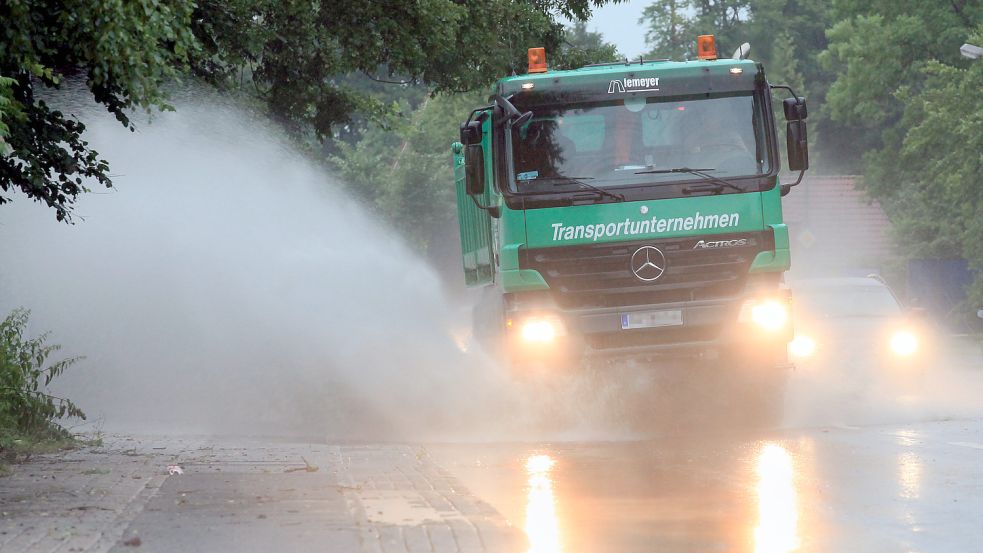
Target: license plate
{"points": [[651, 319]]}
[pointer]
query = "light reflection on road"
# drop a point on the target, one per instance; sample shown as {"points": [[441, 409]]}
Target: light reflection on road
{"points": [[542, 526], [778, 515], [909, 474], [877, 488]]}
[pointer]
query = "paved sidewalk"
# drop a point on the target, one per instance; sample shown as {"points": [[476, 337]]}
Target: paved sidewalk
{"points": [[244, 495]]}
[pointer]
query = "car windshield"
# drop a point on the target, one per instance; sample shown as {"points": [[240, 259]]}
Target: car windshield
{"points": [[846, 301], [631, 142]]}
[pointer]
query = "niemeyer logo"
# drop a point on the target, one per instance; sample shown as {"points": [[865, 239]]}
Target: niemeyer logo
{"points": [[705, 245], [644, 84]]}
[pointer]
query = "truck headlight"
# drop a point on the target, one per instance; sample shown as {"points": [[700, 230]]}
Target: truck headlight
{"points": [[904, 343], [540, 330], [771, 315], [802, 346]]}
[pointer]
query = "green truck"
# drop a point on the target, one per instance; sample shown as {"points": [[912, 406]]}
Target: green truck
{"points": [[630, 210]]}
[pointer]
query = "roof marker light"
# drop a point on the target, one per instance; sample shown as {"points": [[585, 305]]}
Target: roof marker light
{"points": [[706, 48], [528, 86], [736, 70], [537, 60]]}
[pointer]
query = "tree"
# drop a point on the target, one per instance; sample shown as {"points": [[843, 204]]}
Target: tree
{"points": [[406, 173], [296, 54], [673, 25], [935, 197], [298, 57], [125, 51], [905, 94], [581, 47], [876, 48], [668, 29]]}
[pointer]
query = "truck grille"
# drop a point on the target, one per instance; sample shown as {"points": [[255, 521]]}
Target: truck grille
{"points": [[599, 275]]}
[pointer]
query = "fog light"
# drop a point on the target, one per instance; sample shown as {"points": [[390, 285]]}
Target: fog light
{"points": [[904, 343], [539, 331], [802, 346], [769, 315]]}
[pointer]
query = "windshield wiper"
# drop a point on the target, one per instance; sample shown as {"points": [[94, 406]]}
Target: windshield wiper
{"points": [[579, 181], [673, 170], [717, 187]]}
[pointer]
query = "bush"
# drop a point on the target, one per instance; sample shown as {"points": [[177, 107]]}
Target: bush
{"points": [[27, 410]]}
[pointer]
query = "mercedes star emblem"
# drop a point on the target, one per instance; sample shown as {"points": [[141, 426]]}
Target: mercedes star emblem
{"points": [[648, 263]]}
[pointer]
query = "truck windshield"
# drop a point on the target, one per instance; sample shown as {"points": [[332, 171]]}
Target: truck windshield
{"points": [[628, 142]]}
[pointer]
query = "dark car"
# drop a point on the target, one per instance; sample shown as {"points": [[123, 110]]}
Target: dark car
{"points": [[855, 323]]}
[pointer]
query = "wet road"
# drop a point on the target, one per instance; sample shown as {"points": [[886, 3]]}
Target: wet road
{"points": [[855, 469], [913, 487], [906, 488]]}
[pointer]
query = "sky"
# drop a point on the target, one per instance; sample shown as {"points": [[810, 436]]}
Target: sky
{"points": [[619, 25]]}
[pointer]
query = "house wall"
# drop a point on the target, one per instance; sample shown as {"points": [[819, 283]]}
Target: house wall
{"points": [[835, 229]]}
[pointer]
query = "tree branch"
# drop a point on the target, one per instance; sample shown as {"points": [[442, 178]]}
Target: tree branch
{"points": [[378, 80]]}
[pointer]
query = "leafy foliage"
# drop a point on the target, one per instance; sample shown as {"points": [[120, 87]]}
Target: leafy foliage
{"points": [[405, 171], [26, 407], [581, 47], [914, 116], [867, 96], [303, 59], [787, 36], [931, 183], [124, 51], [300, 56], [673, 25]]}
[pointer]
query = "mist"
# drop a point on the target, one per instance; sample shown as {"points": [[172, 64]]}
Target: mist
{"points": [[227, 284], [837, 231]]}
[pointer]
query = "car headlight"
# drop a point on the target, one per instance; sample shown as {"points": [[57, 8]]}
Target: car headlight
{"points": [[802, 346], [904, 343], [771, 315]]}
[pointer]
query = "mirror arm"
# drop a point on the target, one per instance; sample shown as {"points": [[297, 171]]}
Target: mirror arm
{"points": [[482, 110], [492, 210], [786, 188], [506, 105], [512, 115], [784, 87]]}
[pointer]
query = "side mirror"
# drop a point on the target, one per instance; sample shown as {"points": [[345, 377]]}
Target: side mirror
{"points": [[796, 137], [795, 109], [471, 132], [797, 142], [474, 169]]}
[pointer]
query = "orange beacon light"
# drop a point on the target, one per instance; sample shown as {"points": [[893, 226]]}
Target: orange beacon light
{"points": [[537, 60], [706, 48]]}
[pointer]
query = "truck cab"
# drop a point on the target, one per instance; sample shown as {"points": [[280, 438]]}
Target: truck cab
{"points": [[630, 209]]}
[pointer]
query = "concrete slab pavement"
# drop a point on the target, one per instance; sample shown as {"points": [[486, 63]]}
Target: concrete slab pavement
{"points": [[244, 495]]}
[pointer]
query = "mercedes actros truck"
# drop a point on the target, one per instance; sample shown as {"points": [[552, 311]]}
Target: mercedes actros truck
{"points": [[631, 210]]}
